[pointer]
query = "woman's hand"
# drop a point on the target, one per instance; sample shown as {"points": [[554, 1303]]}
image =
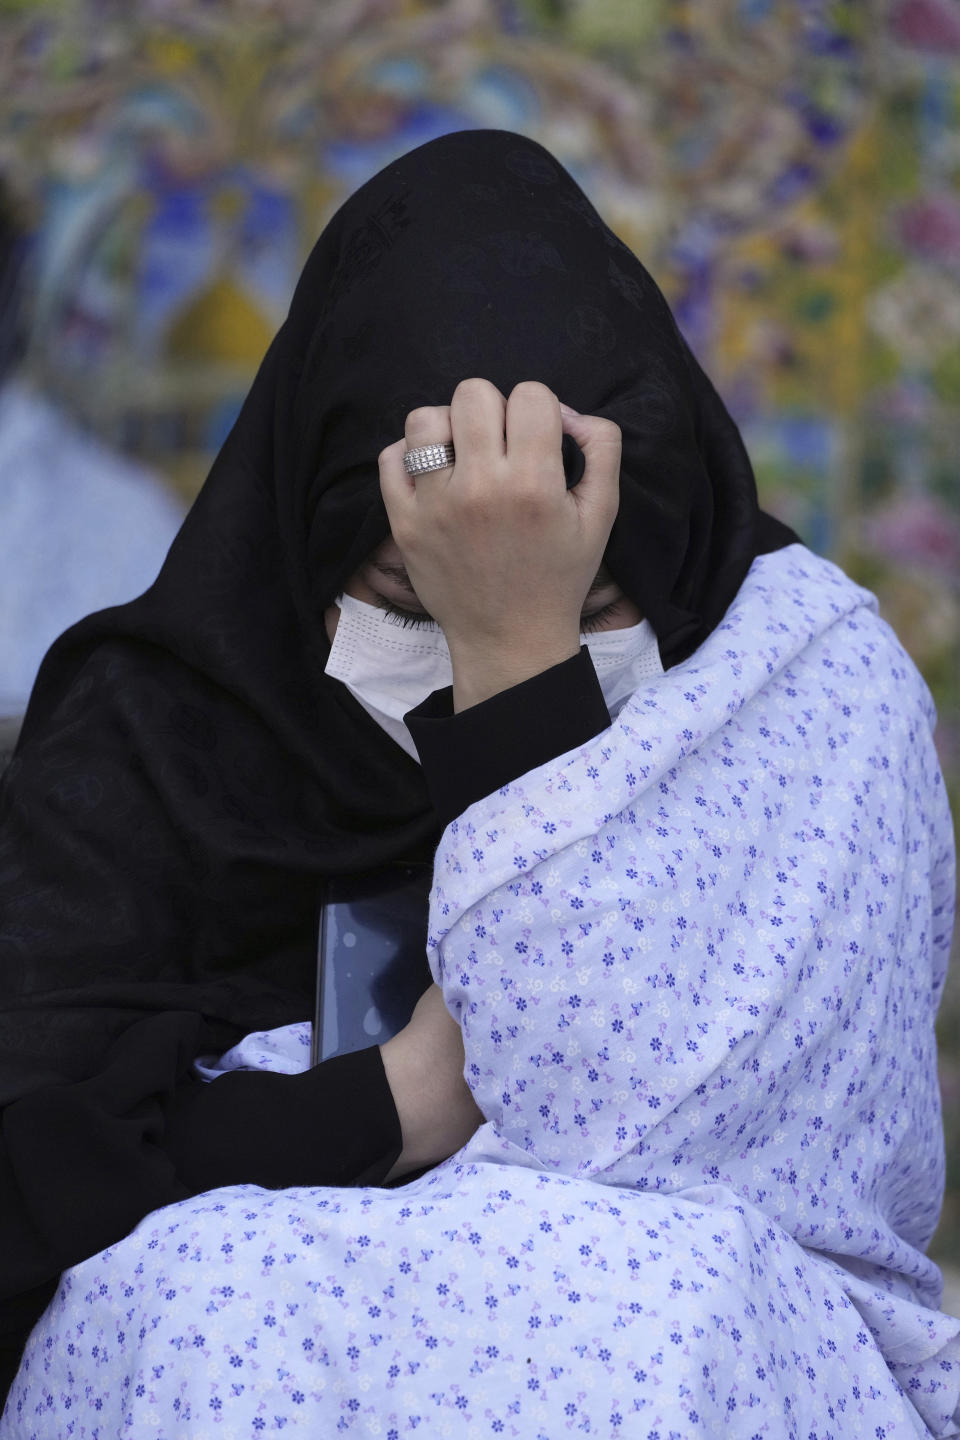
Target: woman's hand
{"points": [[498, 550], [424, 1069]]}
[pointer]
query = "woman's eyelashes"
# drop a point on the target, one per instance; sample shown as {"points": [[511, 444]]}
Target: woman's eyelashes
{"points": [[420, 620], [597, 618], [416, 619]]}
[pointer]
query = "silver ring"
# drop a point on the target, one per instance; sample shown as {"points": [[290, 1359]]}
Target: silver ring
{"points": [[428, 457]]}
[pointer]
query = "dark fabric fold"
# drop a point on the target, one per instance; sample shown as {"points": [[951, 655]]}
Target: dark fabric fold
{"points": [[333, 1125], [81, 1164]]}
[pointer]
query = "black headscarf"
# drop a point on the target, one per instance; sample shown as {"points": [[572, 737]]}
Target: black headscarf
{"points": [[186, 773]]}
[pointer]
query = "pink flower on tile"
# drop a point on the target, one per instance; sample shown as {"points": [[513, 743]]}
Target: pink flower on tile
{"points": [[928, 25], [917, 528], [930, 227]]}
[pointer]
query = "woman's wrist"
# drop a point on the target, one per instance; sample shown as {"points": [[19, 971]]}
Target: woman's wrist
{"points": [[479, 673], [423, 1064], [411, 1098]]}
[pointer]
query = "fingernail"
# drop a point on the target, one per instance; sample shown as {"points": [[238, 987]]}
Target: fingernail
{"points": [[568, 409]]}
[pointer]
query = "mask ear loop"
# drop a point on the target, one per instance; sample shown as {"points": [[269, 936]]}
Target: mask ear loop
{"points": [[625, 661], [384, 664], [379, 676]]}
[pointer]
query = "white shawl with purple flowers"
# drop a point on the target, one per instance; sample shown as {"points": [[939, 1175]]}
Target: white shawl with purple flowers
{"points": [[696, 964]]}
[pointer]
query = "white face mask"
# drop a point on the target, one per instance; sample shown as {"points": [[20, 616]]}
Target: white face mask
{"points": [[390, 668]]}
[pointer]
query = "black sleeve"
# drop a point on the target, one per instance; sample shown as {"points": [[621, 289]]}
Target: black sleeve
{"points": [[468, 755], [81, 1164]]}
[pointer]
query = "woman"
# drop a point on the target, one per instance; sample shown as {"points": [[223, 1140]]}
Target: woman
{"points": [[693, 954]]}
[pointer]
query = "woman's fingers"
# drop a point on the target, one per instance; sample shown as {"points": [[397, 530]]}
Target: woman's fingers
{"points": [[474, 421], [477, 413], [429, 425], [535, 423], [601, 443], [499, 552], [534, 431], [396, 486], [524, 432]]}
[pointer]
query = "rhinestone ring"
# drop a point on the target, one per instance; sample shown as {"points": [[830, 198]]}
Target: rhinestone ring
{"points": [[428, 457]]}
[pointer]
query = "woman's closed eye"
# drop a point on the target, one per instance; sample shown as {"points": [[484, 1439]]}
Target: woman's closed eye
{"points": [[420, 620], [412, 619], [383, 582]]}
